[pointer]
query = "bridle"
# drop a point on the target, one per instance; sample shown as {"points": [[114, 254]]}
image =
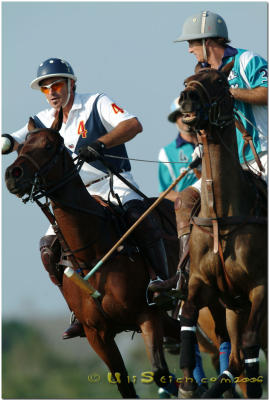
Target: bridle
{"points": [[213, 105], [39, 188]]}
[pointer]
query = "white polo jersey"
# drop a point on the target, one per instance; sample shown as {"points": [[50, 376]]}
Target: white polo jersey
{"points": [[91, 116]]}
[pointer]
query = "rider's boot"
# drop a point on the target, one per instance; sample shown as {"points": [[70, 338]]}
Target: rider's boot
{"points": [[148, 237], [50, 250], [185, 204]]}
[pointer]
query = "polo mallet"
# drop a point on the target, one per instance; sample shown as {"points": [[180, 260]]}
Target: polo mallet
{"points": [[81, 281]]}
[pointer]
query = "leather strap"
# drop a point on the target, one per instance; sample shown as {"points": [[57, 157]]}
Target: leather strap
{"points": [[248, 140], [210, 191], [229, 220]]}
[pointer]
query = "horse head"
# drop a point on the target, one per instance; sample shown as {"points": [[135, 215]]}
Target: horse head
{"points": [[36, 156], [206, 99]]}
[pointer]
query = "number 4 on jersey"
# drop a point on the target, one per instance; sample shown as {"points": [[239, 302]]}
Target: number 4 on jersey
{"points": [[81, 129], [116, 108]]}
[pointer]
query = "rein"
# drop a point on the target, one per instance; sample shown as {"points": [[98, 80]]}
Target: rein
{"points": [[40, 190]]}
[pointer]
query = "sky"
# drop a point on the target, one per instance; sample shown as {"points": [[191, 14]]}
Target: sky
{"points": [[123, 49]]}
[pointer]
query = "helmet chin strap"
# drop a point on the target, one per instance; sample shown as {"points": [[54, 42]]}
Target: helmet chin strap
{"points": [[68, 92], [204, 50]]}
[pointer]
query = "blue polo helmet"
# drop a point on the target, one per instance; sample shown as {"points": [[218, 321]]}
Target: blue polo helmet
{"points": [[50, 68]]}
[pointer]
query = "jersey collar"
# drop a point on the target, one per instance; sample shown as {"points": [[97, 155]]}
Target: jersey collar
{"points": [[180, 141], [228, 52]]}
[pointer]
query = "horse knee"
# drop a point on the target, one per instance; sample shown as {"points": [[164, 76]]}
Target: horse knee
{"points": [[249, 339], [50, 252]]}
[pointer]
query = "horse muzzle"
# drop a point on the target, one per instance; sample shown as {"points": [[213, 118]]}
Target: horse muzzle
{"points": [[16, 182], [190, 106]]}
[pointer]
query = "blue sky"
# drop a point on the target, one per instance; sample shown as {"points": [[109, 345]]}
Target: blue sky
{"points": [[124, 49]]}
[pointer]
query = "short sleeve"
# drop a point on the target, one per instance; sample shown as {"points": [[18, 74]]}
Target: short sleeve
{"points": [[256, 71], [111, 113]]}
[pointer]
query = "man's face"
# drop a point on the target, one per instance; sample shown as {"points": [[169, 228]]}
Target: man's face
{"points": [[196, 48], [56, 94]]}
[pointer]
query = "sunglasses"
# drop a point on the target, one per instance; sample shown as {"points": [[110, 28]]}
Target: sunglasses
{"points": [[55, 86]]}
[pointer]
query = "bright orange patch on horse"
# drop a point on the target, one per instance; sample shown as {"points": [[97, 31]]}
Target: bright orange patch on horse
{"points": [[116, 108], [81, 130]]}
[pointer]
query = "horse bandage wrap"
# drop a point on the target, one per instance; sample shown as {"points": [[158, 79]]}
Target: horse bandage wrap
{"points": [[251, 356], [188, 341]]}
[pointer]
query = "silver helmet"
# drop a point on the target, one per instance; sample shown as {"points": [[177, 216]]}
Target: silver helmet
{"points": [[204, 25]]}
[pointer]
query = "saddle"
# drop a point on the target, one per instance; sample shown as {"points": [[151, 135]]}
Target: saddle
{"points": [[116, 215]]}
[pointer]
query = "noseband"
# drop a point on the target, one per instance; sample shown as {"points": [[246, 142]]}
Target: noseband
{"points": [[38, 188], [213, 105]]}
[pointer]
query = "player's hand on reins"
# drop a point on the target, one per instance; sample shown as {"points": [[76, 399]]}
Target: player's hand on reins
{"points": [[93, 152]]}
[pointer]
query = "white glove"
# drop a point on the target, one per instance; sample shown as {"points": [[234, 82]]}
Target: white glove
{"points": [[197, 152], [6, 144]]}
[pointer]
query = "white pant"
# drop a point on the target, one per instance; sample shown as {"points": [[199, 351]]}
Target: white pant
{"points": [[254, 167], [102, 189]]}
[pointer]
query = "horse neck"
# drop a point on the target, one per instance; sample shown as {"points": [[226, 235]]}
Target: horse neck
{"points": [[229, 186], [78, 227]]}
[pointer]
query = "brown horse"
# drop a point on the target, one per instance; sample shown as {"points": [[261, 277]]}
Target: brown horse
{"points": [[90, 232], [228, 242]]}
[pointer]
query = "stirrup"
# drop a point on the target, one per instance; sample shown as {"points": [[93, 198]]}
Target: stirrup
{"points": [[164, 300], [149, 294]]}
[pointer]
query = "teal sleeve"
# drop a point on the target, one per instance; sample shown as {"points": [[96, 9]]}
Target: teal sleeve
{"points": [[257, 72]]}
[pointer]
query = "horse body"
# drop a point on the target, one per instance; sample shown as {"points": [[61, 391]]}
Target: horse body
{"points": [[240, 279]]}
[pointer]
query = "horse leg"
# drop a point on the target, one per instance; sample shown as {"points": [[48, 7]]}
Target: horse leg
{"points": [[188, 321], [251, 342], [234, 367], [152, 333], [105, 346]]}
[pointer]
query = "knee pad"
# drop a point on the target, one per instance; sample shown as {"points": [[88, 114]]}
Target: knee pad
{"points": [[50, 250], [186, 201]]}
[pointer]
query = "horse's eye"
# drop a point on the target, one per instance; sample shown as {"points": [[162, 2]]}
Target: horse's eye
{"points": [[220, 81]]}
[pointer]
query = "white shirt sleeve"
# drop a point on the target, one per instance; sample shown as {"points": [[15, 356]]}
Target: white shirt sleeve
{"points": [[111, 114], [20, 135]]}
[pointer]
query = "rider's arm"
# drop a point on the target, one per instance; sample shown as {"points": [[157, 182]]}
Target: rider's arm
{"points": [[11, 142], [123, 132], [8, 144], [258, 95]]}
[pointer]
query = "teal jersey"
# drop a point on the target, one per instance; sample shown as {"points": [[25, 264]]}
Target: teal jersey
{"points": [[249, 71], [179, 153]]}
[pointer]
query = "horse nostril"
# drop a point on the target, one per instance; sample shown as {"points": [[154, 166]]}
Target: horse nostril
{"points": [[17, 172]]}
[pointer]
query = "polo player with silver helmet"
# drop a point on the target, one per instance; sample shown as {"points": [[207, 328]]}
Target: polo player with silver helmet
{"points": [[207, 35], [93, 126], [208, 40]]}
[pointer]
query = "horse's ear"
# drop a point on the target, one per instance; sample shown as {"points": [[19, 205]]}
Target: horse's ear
{"points": [[227, 68], [57, 123], [197, 68], [31, 124]]}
